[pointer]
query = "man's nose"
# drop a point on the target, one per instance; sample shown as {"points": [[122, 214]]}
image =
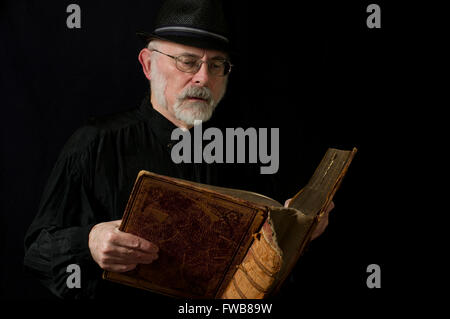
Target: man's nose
{"points": [[202, 75]]}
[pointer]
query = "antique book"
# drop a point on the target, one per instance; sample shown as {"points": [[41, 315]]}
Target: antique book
{"points": [[218, 242]]}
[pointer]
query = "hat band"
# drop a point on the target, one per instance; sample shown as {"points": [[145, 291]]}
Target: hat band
{"points": [[192, 30]]}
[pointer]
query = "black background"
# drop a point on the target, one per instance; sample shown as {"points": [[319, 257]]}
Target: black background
{"points": [[312, 69]]}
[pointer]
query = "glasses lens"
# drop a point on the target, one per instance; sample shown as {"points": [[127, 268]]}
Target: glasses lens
{"points": [[216, 67], [187, 64], [219, 67]]}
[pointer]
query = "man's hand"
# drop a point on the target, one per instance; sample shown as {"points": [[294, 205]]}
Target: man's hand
{"points": [[117, 251], [323, 221]]}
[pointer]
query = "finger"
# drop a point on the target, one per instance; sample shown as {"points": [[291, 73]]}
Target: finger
{"points": [[321, 226], [116, 223], [110, 258], [330, 207], [119, 267], [129, 255], [319, 230], [286, 203], [323, 222], [134, 242]]}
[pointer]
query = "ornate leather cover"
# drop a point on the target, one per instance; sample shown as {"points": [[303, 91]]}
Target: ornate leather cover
{"points": [[224, 243], [201, 234]]}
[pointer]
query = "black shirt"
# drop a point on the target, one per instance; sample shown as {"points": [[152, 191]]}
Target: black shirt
{"points": [[90, 183]]}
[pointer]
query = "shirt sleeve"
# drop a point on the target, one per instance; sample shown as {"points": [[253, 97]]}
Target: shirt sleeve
{"points": [[58, 236]]}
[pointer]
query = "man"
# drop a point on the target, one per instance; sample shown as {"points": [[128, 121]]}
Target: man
{"points": [[187, 63]]}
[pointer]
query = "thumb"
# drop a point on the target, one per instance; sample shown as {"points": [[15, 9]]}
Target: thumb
{"points": [[116, 223], [286, 203]]}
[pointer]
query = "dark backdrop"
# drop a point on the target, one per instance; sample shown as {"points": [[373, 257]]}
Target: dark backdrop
{"points": [[312, 69]]}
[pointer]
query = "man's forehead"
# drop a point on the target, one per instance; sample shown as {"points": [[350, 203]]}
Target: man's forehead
{"points": [[177, 48]]}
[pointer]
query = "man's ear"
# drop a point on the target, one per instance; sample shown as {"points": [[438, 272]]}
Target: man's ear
{"points": [[144, 59]]}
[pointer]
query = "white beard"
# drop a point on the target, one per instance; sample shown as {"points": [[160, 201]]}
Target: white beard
{"points": [[190, 111]]}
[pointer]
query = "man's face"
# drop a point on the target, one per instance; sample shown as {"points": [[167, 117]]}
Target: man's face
{"points": [[180, 96]]}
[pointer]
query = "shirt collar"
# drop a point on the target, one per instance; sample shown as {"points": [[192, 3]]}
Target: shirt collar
{"points": [[161, 127]]}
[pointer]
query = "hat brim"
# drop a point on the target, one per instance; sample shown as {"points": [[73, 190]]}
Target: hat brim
{"points": [[190, 40]]}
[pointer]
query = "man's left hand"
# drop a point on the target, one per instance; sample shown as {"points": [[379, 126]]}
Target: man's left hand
{"points": [[323, 223]]}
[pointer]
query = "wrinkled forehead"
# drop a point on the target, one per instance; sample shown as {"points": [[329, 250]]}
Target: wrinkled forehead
{"points": [[178, 49]]}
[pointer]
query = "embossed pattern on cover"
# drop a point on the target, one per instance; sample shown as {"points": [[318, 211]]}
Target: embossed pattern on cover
{"points": [[201, 235]]}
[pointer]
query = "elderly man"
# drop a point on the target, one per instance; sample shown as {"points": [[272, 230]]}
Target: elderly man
{"points": [[187, 83], [186, 60]]}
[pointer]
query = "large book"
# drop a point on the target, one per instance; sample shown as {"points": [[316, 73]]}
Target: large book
{"points": [[217, 242]]}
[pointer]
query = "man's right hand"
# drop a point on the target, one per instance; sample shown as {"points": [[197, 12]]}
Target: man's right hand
{"points": [[117, 251]]}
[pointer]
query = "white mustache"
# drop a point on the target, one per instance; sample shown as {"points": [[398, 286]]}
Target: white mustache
{"points": [[196, 92]]}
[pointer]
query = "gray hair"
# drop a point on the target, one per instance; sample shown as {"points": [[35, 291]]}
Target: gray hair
{"points": [[154, 45], [158, 81]]}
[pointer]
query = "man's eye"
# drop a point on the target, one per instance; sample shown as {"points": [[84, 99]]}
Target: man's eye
{"points": [[217, 65], [188, 62]]}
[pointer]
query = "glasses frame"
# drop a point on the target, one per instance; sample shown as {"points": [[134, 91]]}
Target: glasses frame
{"points": [[176, 58]]}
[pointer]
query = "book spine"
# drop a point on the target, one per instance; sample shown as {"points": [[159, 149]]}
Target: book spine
{"points": [[255, 276]]}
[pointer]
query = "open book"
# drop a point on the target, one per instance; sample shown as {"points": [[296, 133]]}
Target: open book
{"points": [[218, 242]]}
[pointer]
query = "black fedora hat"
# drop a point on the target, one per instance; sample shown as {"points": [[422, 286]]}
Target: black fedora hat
{"points": [[198, 23]]}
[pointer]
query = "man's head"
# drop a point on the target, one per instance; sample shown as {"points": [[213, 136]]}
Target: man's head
{"points": [[186, 82], [186, 59]]}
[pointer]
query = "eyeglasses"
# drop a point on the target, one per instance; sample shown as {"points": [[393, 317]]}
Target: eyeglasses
{"points": [[191, 64]]}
